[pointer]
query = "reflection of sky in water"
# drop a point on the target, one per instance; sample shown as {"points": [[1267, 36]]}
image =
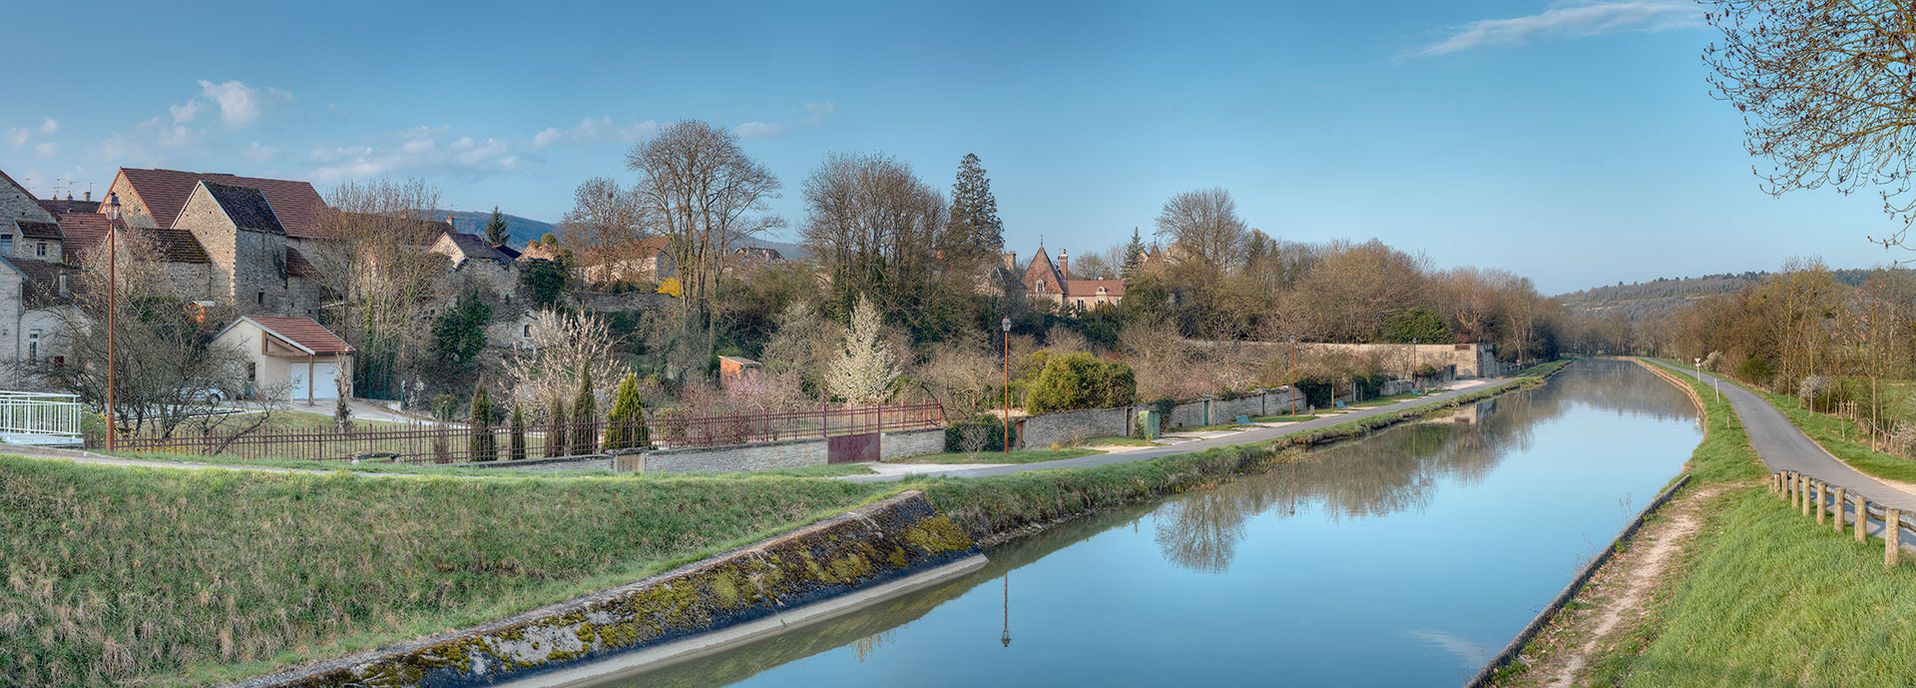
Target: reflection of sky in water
{"points": [[1405, 559]]}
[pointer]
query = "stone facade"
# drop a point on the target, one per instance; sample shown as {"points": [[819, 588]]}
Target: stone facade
{"points": [[249, 267], [16, 203]]}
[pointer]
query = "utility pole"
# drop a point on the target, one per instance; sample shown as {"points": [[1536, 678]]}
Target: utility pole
{"points": [[1293, 374], [112, 304]]}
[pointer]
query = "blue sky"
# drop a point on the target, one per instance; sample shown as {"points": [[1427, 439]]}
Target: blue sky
{"points": [[1573, 142]]}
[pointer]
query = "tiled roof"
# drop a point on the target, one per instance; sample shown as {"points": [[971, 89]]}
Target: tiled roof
{"points": [[245, 206], [43, 281], [507, 250], [58, 206], [296, 204], [38, 230], [298, 266], [82, 230], [475, 247], [302, 332], [1085, 287]]}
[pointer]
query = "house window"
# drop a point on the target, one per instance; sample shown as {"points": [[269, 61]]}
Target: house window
{"points": [[525, 330], [40, 249], [261, 298], [33, 345], [6, 244]]}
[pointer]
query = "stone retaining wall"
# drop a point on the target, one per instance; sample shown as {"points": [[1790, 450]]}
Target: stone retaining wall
{"points": [[787, 454], [898, 445], [1070, 427], [868, 547]]}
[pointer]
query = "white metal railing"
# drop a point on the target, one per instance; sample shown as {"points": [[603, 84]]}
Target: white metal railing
{"points": [[40, 413]]}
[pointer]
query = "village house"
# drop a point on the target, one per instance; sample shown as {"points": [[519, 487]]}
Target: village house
{"points": [[1046, 282], [34, 282], [290, 358], [650, 260]]}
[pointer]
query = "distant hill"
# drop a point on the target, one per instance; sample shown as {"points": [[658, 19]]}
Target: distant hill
{"points": [[1640, 301], [524, 230], [521, 229]]}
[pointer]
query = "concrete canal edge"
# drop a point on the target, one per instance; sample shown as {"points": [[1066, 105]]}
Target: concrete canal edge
{"points": [[1530, 630], [832, 567]]}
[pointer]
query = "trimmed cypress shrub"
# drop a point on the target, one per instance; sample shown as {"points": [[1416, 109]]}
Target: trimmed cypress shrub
{"points": [[518, 433], [625, 423], [555, 429], [585, 414], [481, 445]]}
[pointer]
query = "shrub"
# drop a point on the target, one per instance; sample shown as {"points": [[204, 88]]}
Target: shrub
{"points": [[958, 435], [555, 429], [585, 414], [625, 423], [518, 434], [1079, 380], [1756, 369], [481, 445]]}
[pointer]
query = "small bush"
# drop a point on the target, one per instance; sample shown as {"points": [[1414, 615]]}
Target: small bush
{"points": [[957, 434], [1079, 381]]}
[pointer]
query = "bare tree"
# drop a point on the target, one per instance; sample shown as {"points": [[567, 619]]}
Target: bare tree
{"points": [[1203, 226], [561, 345], [604, 226], [705, 193], [167, 370], [1826, 92], [380, 277], [880, 233]]}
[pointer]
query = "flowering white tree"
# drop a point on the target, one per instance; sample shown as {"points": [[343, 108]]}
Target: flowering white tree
{"points": [[864, 371], [561, 345]]}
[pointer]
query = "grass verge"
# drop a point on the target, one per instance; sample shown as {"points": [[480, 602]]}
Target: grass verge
{"points": [[1015, 456], [117, 576]]}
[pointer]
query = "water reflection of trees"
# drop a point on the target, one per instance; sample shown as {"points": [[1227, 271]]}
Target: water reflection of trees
{"points": [[1397, 469]]}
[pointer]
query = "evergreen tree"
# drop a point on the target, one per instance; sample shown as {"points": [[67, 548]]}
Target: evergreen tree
{"points": [[585, 414], [555, 428], [496, 228], [974, 221], [625, 423], [517, 431], [481, 445], [1133, 256]]}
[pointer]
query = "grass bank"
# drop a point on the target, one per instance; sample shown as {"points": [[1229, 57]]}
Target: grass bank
{"points": [[117, 576], [1763, 596]]}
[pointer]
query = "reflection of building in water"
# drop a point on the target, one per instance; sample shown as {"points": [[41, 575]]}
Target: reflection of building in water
{"points": [[1466, 415]]}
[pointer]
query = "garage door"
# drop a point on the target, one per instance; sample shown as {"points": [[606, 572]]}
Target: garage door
{"points": [[323, 385]]}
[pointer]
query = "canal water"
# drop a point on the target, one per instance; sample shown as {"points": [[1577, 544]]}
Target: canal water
{"points": [[1404, 559]]}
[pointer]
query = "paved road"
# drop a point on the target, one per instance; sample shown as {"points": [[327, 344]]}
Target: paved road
{"points": [[1246, 437], [1783, 447]]}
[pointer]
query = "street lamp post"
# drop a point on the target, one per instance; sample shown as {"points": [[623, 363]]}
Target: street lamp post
{"points": [[1293, 375], [1005, 324], [112, 304], [1005, 637]]}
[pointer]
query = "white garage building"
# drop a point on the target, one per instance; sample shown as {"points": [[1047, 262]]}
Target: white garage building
{"points": [[291, 358]]}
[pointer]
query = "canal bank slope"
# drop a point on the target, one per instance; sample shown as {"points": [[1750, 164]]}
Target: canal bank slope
{"points": [[1728, 586]]}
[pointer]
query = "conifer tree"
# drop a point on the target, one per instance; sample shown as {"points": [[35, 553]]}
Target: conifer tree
{"points": [[481, 445], [517, 432], [974, 218], [1133, 256], [585, 413], [625, 423], [555, 429], [496, 228]]}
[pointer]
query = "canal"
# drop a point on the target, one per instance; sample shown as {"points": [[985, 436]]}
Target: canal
{"points": [[1404, 559]]}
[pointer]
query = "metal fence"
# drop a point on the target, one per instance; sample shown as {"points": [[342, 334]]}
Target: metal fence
{"points": [[41, 417], [456, 443]]}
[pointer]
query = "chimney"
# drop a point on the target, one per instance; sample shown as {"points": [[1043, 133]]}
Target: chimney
{"points": [[89, 196], [1064, 264], [62, 281], [1011, 261]]}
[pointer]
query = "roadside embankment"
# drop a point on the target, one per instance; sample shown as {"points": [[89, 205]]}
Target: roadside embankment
{"points": [[699, 608]]}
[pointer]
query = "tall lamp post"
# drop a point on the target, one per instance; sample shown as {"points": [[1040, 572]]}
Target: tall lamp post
{"points": [[1293, 374], [112, 303], [1005, 325]]}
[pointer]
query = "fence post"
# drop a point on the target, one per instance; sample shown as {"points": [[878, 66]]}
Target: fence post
{"points": [[1805, 505], [1862, 519], [1892, 536], [1795, 488], [1817, 491], [1837, 505]]}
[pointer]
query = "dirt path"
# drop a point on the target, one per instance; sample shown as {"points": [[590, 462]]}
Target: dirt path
{"points": [[1613, 603]]}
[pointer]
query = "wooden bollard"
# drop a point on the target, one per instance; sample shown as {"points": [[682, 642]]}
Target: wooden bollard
{"points": [[1817, 492], [1836, 506], [1776, 483], [1807, 485], [1862, 519], [1892, 536], [1789, 486]]}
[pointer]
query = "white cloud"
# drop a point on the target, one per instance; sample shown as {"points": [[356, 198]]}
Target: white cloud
{"points": [[417, 151], [816, 113], [47, 150], [241, 104], [756, 130], [17, 137], [260, 153], [49, 126], [1575, 20], [591, 130], [185, 112]]}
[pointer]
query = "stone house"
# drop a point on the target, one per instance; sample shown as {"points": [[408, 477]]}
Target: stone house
{"points": [[34, 286], [1053, 284], [478, 266], [290, 358], [650, 260]]}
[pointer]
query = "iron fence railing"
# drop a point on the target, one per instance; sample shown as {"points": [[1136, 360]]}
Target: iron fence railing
{"points": [[41, 414], [455, 443]]}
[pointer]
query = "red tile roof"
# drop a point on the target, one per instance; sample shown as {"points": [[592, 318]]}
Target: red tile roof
{"points": [[302, 332], [86, 230], [1087, 287], [297, 205]]}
